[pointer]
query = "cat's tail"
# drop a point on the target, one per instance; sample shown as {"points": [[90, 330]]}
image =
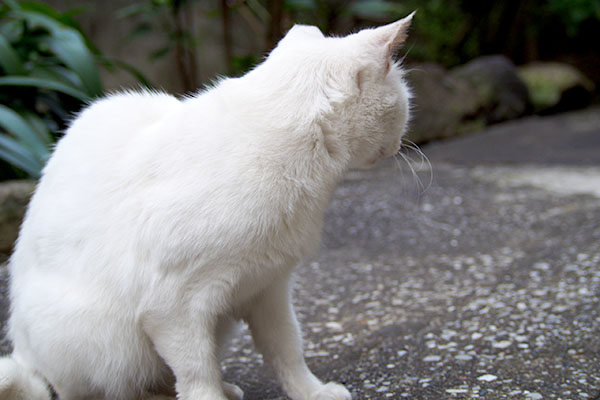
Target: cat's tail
{"points": [[19, 383]]}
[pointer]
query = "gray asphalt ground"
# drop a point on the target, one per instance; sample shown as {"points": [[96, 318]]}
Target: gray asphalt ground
{"points": [[483, 283]]}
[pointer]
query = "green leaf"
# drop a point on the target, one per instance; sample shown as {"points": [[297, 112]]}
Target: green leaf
{"points": [[57, 73], [57, 107], [155, 55], [23, 133], [133, 10], [65, 18], [38, 125], [11, 30], [9, 58], [16, 154], [12, 3], [70, 48], [44, 84], [68, 45]]}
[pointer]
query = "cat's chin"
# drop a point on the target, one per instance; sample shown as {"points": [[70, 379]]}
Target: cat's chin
{"points": [[373, 161], [369, 164]]}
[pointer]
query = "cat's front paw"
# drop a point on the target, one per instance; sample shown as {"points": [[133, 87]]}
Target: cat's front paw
{"points": [[331, 391], [233, 392]]}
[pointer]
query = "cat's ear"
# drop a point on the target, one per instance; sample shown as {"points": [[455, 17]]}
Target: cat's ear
{"points": [[383, 42], [391, 37]]}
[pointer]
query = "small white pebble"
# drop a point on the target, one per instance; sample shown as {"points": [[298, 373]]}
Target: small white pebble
{"points": [[584, 291], [334, 326], [542, 265], [432, 358], [457, 390], [427, 207], [368, 386], [463, 357], [502, 344], [487, 378]]}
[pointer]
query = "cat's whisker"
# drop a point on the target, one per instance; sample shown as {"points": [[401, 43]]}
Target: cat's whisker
{"points": [[424, 160], [416, 177], [422, 163], [399, 167], [405, 188]]}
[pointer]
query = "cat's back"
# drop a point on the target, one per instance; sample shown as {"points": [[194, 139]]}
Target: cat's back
{"points": [[90, 157], [110, 124], [149, 171], [121, 110], [85, 168]]}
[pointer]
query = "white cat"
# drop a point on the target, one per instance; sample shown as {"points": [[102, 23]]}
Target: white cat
{"points": [[159, 222]]}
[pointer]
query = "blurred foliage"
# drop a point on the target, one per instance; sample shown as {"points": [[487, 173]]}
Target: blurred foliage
{"points": [[48, 71], [48, 67], [449, 32], [575, 13], [174, 24]]}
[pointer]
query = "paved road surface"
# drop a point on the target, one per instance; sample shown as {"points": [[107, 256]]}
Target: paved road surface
{"points": [[486, 285]]}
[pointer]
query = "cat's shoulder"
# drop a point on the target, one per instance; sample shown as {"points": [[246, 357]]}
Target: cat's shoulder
{"points": [[143, 103], [137, 99], [125, 111]]}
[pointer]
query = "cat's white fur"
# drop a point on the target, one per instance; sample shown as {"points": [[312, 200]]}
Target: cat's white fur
{"points": [[158, 222]]}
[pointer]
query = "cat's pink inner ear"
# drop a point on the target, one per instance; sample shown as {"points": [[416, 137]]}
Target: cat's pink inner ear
{"points": [[393, 35]]}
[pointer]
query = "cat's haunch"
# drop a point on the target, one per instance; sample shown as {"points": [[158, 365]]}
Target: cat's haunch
{"points": [[159, 222]]}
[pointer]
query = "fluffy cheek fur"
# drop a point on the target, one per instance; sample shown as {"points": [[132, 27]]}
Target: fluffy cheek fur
{"points": [[381, 130]]}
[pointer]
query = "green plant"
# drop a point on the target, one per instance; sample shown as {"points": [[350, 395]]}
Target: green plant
{"points": [[575, 12], [174, 20], [47, 70]]}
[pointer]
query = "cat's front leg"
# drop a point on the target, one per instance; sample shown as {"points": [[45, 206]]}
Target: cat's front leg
{"points": [[186, 340], [276, 334]]}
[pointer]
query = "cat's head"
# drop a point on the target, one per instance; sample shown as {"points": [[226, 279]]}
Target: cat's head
{"points": [[356, 88]]}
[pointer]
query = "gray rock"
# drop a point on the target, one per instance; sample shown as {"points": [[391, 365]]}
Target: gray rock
{"points": [[502, 94], [14, 196], [556, 87], [451, 103], [443, 106]]}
